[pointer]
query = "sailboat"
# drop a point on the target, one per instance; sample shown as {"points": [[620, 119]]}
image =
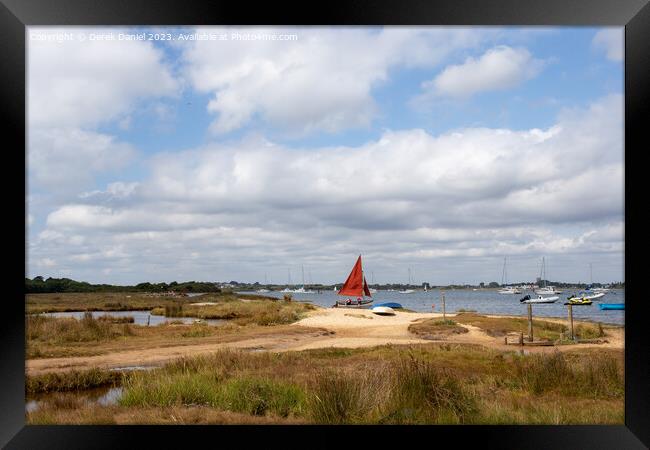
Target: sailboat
{"points": [[504, 281], [372, 281], [302, 290], [266, 283], [407, 291], [287, 289], [546, 290], [355, 286]]}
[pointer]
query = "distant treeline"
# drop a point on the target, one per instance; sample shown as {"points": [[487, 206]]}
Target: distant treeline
{"points": [[40, 285]]}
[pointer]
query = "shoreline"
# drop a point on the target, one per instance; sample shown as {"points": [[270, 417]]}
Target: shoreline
{"points": [[320, 328]]}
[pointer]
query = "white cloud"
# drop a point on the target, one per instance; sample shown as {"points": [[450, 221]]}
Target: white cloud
{"points": [[82, 84], [311, 84], [406, 197], [65, 159], [611, 41], [499, 68]]}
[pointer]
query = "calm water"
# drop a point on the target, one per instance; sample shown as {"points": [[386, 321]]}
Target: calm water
{"points": [[100, 396], [482, 301], [139, 317]]}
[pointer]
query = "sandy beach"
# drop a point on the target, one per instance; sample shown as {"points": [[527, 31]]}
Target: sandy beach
{"points": [[322, 328]]}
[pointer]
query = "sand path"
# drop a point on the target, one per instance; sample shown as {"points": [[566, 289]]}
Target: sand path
{"points": [[345, 328]]}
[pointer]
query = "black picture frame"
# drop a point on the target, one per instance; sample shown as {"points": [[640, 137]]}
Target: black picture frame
{"points": [[15, 15]]}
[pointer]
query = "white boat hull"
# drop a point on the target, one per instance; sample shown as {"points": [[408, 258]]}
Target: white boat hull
{"points": [[542, 300], [383, 311]]}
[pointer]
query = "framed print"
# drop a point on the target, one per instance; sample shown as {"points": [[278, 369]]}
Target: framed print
{"points": [[372, 219]]}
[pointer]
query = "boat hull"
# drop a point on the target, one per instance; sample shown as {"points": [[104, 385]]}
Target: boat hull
{"points": [[612, 306], [541, 300], [353, 305], [383, 311], [587, 303], [391, 305]]}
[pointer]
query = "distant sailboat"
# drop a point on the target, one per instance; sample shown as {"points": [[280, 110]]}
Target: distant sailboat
{"points": [[288, 289], [546, 290], [407, 291], [355, 286], [504, 281], [264, 290], [372, 281]]}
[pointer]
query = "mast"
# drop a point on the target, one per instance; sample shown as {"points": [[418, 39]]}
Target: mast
{"points": [[303, 276], [363, 280]]}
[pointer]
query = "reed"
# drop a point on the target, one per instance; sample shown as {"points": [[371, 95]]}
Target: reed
{"points": [[71, 381], [67, 330]]}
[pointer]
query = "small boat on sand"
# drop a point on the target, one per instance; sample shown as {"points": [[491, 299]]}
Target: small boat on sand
{"points": [[391, 305], [355, 286], [607, 306], [539, 299], [383, 311]]}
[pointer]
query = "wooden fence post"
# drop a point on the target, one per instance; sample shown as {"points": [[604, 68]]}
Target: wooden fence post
{"points": [[444, 313], [530, 322], [570, 308]]}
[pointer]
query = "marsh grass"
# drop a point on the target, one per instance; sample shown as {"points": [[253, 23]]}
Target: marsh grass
{"points": [[251, 312], [111, 319], [343, 397], [117, 301], [71, 381], [199, 385], [199, 330], [419, 384], [542, 329], [436, 328], [595, 376], [67, 330], [423, 393]]}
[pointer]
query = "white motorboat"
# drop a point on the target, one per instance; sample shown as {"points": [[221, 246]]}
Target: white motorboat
{"points": [[406, 291], [539, 299], [586, 296], [509, 290]]}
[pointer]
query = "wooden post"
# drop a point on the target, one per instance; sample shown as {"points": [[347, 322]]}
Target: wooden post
{"points": [[570, 308], [444, 314], [521, 338], [530, 322]]}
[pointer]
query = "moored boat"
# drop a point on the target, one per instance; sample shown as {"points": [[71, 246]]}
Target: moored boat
{"points": [[355, 286], [539, 299], [608, 306], [578, 302]]}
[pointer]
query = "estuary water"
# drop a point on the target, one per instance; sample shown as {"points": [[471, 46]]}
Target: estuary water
{"points": [[139, 317], [486, 301]]}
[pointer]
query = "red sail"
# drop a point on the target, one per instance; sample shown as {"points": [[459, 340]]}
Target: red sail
{"points": [[356, 283]]}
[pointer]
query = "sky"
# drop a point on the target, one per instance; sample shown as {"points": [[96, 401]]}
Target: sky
{"points": [[223, 153]]}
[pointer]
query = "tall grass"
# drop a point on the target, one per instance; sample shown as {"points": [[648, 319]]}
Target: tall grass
{"points": [[593, 376], [259, 312], [423, 393], [251, 395], [71, 381], [65, 330], [428, 384], [344, 398]]}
